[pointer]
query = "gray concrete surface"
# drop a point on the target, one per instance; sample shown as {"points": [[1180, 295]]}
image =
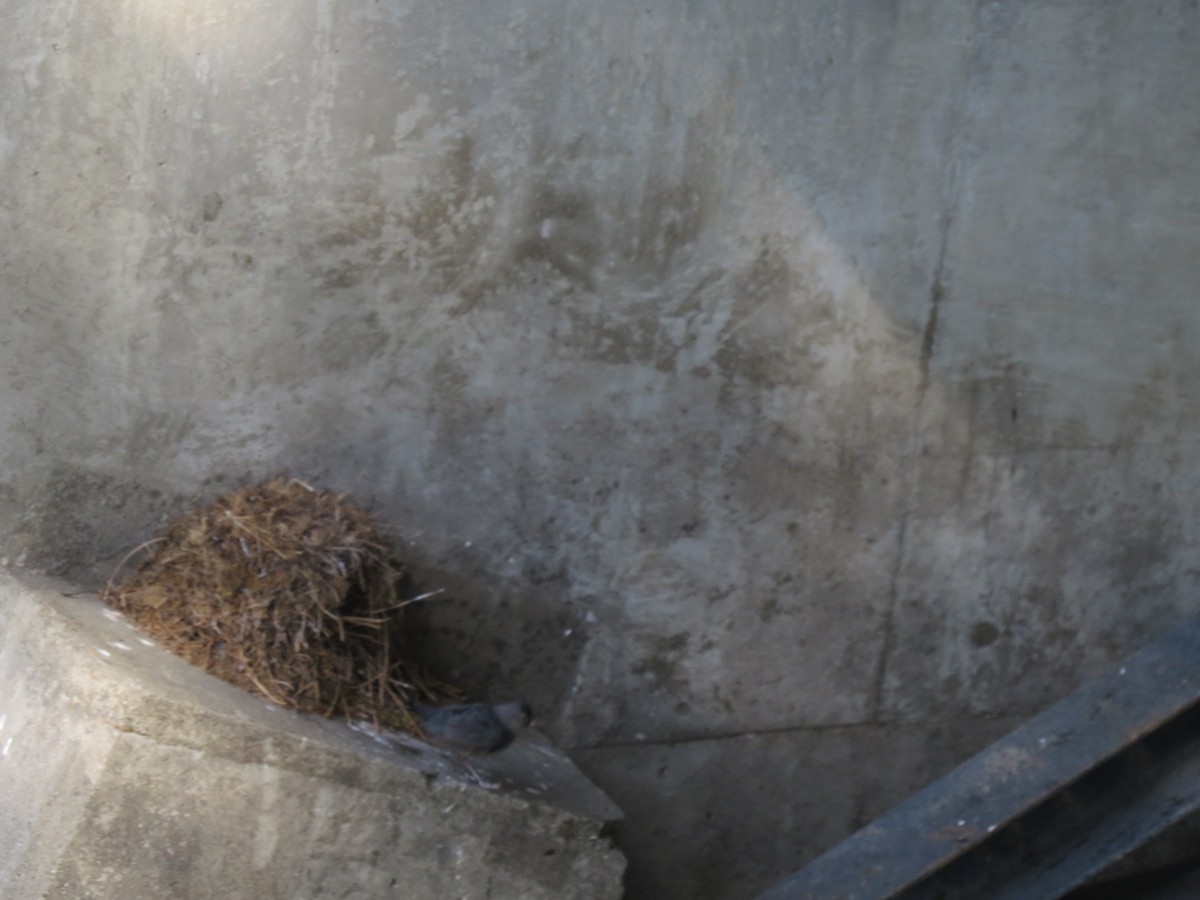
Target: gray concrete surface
{"points": [[820, 371], [127, 773]]}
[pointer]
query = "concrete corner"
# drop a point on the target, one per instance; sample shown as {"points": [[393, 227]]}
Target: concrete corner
{"points": [[127, 773]]}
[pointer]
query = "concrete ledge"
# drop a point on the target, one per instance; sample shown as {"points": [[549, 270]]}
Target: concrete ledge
{"points": [[127, 773]]}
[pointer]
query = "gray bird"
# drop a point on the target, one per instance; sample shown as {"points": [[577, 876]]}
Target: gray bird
{"points": [[475, 729]]}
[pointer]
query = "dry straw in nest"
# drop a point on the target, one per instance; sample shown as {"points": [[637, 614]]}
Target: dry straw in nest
{"points": [[286, 591]]}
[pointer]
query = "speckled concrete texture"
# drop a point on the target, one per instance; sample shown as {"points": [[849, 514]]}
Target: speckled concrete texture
{"points": [[739, 368]]}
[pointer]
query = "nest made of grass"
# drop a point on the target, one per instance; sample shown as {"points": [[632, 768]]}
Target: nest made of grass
{"points": [[288, 592]]}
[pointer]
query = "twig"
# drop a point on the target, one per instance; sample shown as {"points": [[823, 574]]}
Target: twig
{"points": [[416, 599], [125, 559]]}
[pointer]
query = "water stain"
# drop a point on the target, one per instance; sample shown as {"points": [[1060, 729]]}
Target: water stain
{"points": [[560, 230], [661, 663]]}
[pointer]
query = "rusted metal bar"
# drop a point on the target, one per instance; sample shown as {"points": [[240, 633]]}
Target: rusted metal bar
{"points": [[1050, 804]]}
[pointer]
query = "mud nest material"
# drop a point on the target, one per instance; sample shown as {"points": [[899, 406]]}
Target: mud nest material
{"points": [[288, 592]]}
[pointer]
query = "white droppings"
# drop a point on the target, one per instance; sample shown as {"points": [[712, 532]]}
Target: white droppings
{"points": [[113, 615], [120, 645], [991, 828], [147, 641], [1122, 672], [102, 652], [567, 632], [3, 719], [590, 618], [1042, 742], [7, 746], [962, 822], [467, 543], [362, 726]]}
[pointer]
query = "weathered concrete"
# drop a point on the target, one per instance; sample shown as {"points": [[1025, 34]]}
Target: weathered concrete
{"points": [[743, 368], [708, 795], [125, 772]]}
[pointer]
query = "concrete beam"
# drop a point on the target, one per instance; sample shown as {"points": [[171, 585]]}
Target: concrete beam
{"points": [[125, 772]]}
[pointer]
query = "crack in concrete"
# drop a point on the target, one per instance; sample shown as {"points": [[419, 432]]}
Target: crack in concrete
{"points": [[930, 333], [876, 724], [952, 198]]}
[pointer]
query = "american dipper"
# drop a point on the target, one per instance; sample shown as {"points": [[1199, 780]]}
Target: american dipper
{"points": [[473, 728]]}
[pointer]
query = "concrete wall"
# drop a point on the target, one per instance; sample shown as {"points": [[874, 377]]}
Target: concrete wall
{"points": [[793, 395]]}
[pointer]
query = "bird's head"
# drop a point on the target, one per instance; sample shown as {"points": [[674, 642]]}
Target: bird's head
{"points": [[516, 716]]}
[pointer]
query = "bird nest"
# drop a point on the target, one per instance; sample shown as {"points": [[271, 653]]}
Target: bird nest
{"points": [[288, 592]]}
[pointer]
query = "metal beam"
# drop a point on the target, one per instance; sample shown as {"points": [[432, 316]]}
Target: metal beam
{"points": [[1042, 809]]}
